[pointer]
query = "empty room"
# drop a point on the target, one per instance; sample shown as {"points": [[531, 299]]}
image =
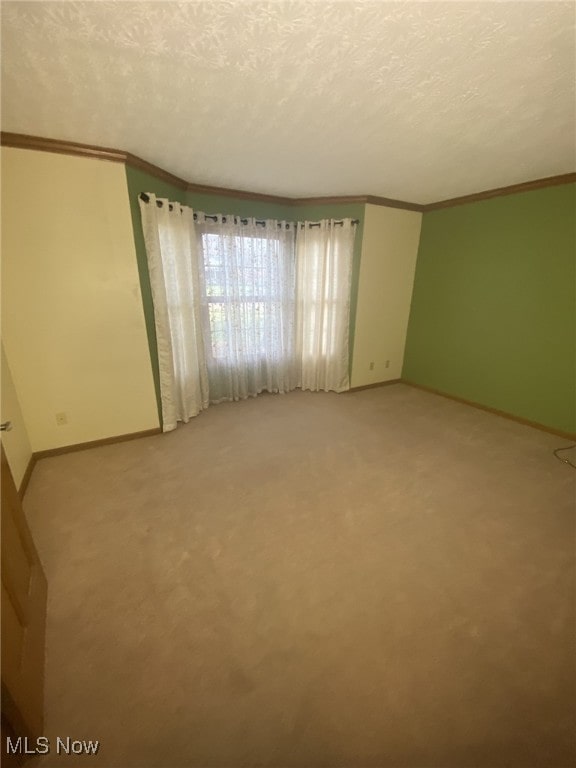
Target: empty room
{"points": [[288, 384]]}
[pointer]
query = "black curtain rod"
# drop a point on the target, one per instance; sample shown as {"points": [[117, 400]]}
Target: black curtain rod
{"points": [[237, 219], [318, 224], [159, 203]]}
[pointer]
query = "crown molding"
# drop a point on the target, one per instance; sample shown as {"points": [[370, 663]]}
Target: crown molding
{"points": [[154, 170], [239, 193], [23, 141], [526, 186], [41, 144], [371, 199], [390, 203], [329, 200]]}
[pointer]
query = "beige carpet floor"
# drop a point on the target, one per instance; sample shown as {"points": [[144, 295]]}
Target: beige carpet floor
{"points": [[379, 579]]}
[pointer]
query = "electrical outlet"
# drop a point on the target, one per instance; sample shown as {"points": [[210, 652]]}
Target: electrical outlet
{"points": [[61, 419], [387, 363], [371, 366]]}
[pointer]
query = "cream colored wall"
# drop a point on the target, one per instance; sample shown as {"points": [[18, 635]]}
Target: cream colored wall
{"points": [[16, 443], [72, 319], [387, 265]]}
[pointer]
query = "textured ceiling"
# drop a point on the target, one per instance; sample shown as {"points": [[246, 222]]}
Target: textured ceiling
{"points": [[419, 101]]}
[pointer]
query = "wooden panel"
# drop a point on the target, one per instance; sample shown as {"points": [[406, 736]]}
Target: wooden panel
{"points": [[27, 476], [23, 594], [13, 632], [16, 567]]}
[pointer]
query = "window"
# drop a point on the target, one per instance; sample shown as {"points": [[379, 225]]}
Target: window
{"points": [[244, 306], [248, 288]]}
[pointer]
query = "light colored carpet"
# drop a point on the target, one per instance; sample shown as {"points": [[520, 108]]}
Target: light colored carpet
{"points": [[381, 579]]}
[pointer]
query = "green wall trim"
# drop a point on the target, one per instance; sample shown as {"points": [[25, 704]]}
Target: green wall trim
{"points": [[139, 181], [493, 314]]}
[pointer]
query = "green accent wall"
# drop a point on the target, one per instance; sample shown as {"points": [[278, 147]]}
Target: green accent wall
{"points": [[139, 181], [493, 316]]}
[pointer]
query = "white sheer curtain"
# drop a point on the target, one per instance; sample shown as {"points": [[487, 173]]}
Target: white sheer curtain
{"points": [[324, 254], [242, 306], [247, 293], [175, 281]]}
